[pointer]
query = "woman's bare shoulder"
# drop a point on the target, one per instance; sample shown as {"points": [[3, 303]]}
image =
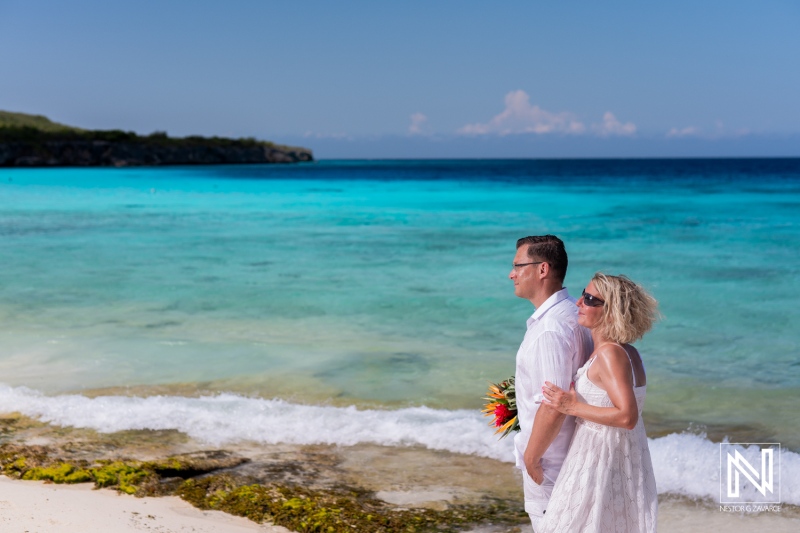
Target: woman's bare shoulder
{"points": [[613, 355]]}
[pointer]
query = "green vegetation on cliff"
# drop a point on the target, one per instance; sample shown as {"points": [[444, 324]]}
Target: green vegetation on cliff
{"points": [[37, 122], [16, 127]]}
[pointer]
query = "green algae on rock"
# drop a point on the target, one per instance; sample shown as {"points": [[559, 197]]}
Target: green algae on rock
{"points": [[344, 509], [142, 478], [60, 473], [34, 463]]}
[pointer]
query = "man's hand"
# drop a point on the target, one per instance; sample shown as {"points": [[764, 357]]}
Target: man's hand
{"points": [[546, 425], [534, 468]]}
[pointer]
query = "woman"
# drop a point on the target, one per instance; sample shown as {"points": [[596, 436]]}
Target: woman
{"points": [[607, 482]]}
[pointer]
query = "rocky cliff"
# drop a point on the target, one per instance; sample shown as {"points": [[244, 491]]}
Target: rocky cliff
{"points": [[55, 153], [34, 140]]}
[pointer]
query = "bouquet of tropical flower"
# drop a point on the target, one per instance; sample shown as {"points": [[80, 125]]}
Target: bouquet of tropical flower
{"points": [[502, 405]]}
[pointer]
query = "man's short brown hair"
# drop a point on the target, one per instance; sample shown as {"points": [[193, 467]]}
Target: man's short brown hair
{"points": [[549, 249]]}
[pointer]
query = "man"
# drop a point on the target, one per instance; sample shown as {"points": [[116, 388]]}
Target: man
{"points": [[553, 349]]}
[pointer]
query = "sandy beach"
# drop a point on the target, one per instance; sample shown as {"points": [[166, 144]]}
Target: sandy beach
{"points": [[36, 507]]}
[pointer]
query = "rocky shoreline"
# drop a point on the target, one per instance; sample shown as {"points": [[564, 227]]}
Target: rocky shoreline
{"points": [[364, 488]]}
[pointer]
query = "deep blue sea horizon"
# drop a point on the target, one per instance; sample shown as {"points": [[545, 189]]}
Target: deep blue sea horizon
{"points": [[385, 282], [525, 170]]}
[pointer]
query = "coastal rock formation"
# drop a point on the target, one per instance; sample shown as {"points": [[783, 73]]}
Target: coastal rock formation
{"points": [[120, 154], [36, 141]]}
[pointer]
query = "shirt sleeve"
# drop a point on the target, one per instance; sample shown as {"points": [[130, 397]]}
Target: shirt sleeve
{"points": [[551, 361]]}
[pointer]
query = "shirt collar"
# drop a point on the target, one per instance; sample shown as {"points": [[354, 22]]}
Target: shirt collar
{"points": [[555, 298]]}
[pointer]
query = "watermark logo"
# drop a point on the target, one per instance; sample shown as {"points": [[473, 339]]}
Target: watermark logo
{"points": [[749, 473]]}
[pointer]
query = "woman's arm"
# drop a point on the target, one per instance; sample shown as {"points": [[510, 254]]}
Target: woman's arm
{"points": [[614, 372]]}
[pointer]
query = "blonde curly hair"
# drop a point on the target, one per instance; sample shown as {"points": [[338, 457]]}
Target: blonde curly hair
{"points": [[629, 311]]}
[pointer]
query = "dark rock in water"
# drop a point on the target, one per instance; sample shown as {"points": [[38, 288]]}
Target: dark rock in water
{"points": [[193, 464]]}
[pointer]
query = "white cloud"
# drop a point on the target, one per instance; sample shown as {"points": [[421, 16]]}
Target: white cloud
{"points": [[612, 126], [417, 121], [688, 131], [520, 116]]}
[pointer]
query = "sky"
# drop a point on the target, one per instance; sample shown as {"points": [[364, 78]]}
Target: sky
{"points": [[450, 79]]}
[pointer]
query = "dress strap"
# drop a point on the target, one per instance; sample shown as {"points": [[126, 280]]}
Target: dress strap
{"points": [[633, 372]]}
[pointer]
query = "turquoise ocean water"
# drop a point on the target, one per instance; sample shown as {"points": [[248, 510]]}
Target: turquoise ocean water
{"points": [[383, 285]]}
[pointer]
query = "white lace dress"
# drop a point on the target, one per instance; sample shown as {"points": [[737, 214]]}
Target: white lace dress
{"points": [[607, 483]]}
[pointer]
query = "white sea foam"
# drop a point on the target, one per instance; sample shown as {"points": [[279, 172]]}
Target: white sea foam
{"points": [[227, 418], [690, 465], [685, 464]]}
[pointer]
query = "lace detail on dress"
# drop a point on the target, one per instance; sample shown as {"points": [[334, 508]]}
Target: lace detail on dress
{"points": [[589, 425], [607, 482]]}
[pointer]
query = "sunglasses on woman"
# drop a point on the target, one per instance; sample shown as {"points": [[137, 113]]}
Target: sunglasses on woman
{"points": [[591, 301]]}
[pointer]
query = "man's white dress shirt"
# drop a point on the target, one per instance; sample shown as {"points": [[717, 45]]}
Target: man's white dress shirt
{"points": [[554, 348]]}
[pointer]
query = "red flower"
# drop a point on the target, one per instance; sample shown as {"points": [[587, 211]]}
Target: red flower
{"points": [[502, 414]]}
